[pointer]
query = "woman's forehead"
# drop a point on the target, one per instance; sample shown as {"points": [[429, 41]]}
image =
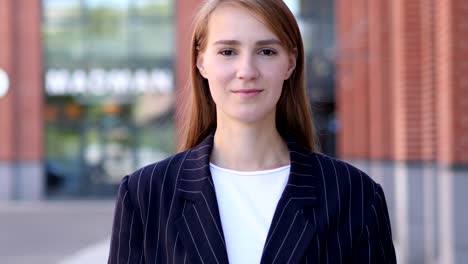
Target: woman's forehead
{"points": [[237, 24]]}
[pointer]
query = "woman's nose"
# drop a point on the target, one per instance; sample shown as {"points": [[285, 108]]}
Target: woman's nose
{"points": [[247, 68]]}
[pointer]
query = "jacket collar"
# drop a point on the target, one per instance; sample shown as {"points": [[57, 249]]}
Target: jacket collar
{"points": [[293, 222]]}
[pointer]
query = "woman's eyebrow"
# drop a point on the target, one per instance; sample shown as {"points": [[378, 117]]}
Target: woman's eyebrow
{"points": [[268, 42], [227, 42], [238, 43]]}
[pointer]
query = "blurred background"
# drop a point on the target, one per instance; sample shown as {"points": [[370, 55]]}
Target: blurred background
{"points": [[89, 88]]}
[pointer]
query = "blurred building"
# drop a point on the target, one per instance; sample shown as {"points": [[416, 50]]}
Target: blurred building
{"points": [[88, 94], [91, 94], [21, 100], [402, 101], [92, 89]]}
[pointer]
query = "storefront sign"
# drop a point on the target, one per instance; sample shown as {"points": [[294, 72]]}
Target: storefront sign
{"points": [[60, 82], [4, 83]]}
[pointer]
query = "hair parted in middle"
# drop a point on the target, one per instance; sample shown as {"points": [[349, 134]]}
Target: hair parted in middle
{"points": [[293, 112]]}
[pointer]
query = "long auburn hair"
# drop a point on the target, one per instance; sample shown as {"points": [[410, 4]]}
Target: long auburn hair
{"points": [[293, 112]]}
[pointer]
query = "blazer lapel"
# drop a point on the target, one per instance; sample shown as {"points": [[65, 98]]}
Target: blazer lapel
{"points": [[293, 225], [200, 226]]}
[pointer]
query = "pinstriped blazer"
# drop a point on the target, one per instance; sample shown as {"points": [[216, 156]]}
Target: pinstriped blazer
{"points": [[329, 212]]}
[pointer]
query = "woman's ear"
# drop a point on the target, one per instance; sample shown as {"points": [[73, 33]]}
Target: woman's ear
{"points": [[200, 66], [292, 63]]}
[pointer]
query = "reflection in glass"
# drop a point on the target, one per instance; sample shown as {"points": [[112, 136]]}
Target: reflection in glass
{"points": [[109, 87]]}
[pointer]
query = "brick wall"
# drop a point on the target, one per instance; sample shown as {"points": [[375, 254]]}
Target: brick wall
{"points": [[20, 55], [360, 89], [407, 79], [461, 81], [428, 75], [380, 81], [28, 81], [6, 103], [344, 83], [410, 93]]}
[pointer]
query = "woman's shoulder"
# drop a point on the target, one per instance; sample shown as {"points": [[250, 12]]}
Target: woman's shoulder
{"points": [[159, 173], [345, 184], [339, 172]]}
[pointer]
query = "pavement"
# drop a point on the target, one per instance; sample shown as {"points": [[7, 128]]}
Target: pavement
{"points": [[63, 232]]}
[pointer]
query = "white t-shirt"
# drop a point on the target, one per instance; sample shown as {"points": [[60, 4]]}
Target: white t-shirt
{"points": [[247, 202]]}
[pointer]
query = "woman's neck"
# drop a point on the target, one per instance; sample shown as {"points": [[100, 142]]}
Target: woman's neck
{"points": [[249, 147]]}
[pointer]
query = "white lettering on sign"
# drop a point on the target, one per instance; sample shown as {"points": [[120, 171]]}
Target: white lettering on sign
{"points": [[4, 83], [97, 81]]}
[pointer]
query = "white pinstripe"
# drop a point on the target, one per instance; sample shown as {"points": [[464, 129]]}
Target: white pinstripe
{"points": [[315, 220], [350, 196], [386, 220], [362, 205], [300, 186], [325, 191], [194, 169], [172, 202], [339, 210], [368, 243], [138, 195], [326, 249], [211, 183], [199, 158], [175, 247], [304, 155], [378, 228], [300, 174], [209, 210], [160, 206], [297, 243], [120, 228], [204, 232], [149, 205], [281, 216], [130, 238], [201, 179], [303, 164], [318, 249], [339, 245], [202, 147], [317, 237], [191, 235], [285, 237], [120, 190]]}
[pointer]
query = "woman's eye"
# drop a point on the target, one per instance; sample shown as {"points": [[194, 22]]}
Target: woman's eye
{"points": [[227, 52], [267, 52]]}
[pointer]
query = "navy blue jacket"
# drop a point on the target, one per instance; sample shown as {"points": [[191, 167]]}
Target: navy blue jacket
{"points": [[329, 212]]}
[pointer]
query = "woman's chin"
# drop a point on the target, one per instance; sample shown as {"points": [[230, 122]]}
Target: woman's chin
{"points": [[254, 118]]}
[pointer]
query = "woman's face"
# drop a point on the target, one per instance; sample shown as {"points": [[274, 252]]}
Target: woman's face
{"points": [[245, 65]]}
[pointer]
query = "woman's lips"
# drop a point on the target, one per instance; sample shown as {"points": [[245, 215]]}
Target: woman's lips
{"points": [[247, 93]]}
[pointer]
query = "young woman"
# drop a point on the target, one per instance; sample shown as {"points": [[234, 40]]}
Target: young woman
{"points": [[248, 186]]}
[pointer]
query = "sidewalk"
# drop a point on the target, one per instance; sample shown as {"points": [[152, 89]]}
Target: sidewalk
{"points": [[64, 232], [94, 254]]}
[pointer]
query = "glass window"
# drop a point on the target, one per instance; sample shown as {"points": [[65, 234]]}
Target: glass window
{"points": [[316, 19], [109, 87], [154, 8], [147, 41]]}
